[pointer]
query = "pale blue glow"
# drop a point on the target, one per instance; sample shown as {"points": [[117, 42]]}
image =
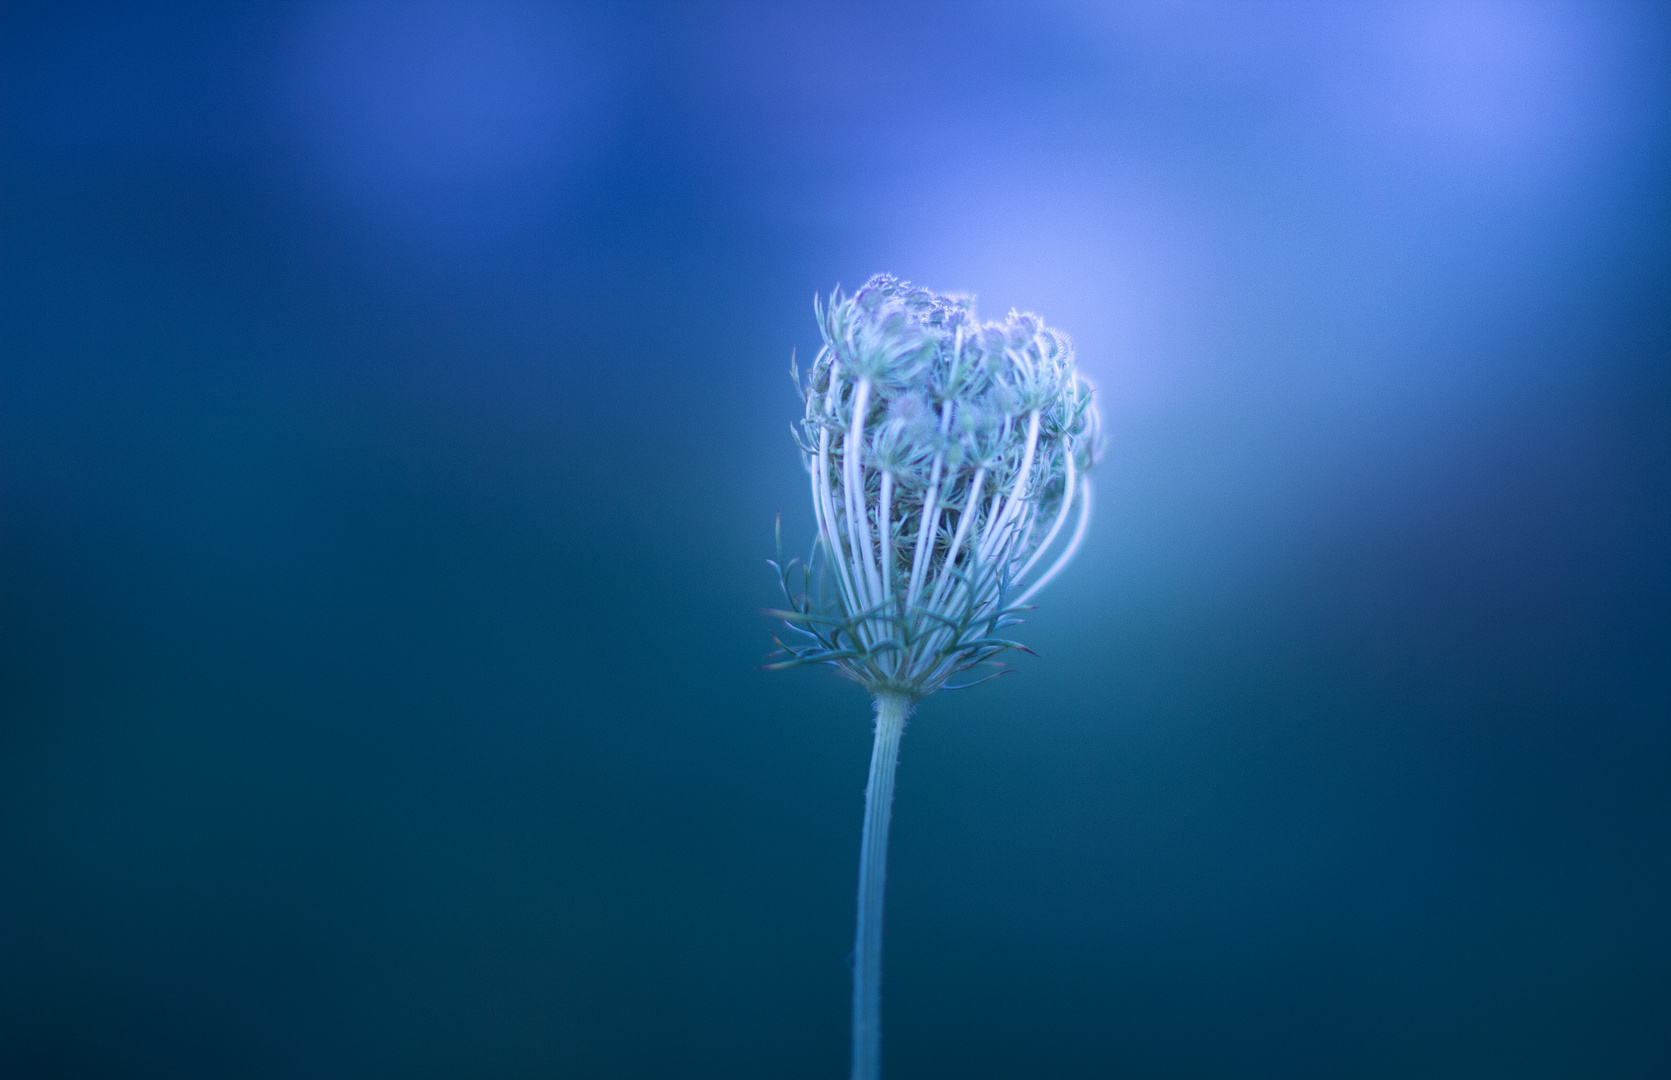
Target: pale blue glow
{"points": [[441, 117]]}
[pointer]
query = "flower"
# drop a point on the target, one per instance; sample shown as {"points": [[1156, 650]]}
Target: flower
{"points": [[946, 457]]}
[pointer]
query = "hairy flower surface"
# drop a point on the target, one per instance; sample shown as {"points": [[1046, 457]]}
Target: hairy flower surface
{"points": [[947, 457]]}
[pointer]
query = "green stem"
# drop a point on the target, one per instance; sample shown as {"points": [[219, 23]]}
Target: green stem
{"points": [[891, 711]]}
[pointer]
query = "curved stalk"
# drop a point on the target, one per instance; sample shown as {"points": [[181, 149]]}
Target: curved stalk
{"points": [[1068, 552], [1055, 526], [1018, 492], [931, 514], [852, 463], [891, 712]]}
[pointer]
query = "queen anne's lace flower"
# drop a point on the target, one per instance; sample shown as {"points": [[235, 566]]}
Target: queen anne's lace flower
{"points": [[947, 457]]}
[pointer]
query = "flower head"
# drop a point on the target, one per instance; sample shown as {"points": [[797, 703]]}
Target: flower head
{"points": [[946, 457]]}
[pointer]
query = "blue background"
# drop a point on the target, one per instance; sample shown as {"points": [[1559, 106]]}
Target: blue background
{"points": [[393, 413]]}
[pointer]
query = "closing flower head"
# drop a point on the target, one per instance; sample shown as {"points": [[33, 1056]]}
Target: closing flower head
{"points": [[947, 457]]}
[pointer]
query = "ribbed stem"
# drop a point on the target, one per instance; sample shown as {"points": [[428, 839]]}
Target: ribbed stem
{"points": [[891, 711]]}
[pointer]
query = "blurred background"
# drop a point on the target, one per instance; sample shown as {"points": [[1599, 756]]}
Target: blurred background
{"points": [[393, 413]]}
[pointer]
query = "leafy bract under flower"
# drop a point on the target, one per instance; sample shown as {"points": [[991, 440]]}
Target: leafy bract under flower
{"points": [[947, 455]]}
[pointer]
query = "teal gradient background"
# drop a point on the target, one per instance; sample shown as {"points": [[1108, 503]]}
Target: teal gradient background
{"points": [[393, 414]]}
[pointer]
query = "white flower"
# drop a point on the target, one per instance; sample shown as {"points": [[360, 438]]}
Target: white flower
{"points": [[946, 456]]}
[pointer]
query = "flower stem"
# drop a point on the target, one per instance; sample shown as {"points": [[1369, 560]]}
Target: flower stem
{"points": [[891, 711]]}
